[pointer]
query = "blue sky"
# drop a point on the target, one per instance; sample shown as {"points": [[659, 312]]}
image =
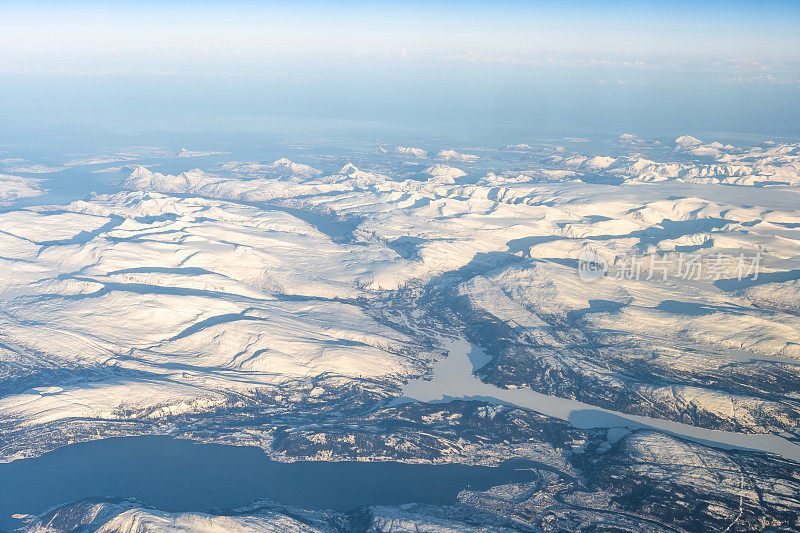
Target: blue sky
{"points": [[104, 36], [663, 67]]}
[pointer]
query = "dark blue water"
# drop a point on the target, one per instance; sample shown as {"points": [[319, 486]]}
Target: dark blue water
{"points": [[181, 475]]}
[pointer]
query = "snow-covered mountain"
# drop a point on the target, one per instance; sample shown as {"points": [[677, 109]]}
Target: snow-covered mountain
{"points": [[286, 307]]}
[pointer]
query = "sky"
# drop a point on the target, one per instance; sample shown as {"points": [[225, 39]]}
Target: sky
{"points": [[237, 37], [648, 67]]}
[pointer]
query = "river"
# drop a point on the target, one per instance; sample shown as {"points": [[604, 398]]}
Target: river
{"points": [[453, 378]]}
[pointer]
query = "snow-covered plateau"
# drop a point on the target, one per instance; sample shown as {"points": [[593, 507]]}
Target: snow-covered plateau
{"points": [[288, 306]]}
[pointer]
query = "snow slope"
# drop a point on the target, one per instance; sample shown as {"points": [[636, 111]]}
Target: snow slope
{"points": [[15, 187], [280, 305]]}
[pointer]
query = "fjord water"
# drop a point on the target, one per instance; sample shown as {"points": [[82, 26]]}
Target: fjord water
{"points": [[453, 378], [182, 475]]}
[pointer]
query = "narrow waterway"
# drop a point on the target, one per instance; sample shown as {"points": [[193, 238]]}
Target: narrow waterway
{"points": [[453, 378]]}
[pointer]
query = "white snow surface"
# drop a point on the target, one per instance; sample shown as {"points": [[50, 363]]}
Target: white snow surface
{"points": [[24, 166], [282, 168], [15, 187], [183, 152], [695, 161], [444, 173], [210, 283], [411, 151], [452, 155]]}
